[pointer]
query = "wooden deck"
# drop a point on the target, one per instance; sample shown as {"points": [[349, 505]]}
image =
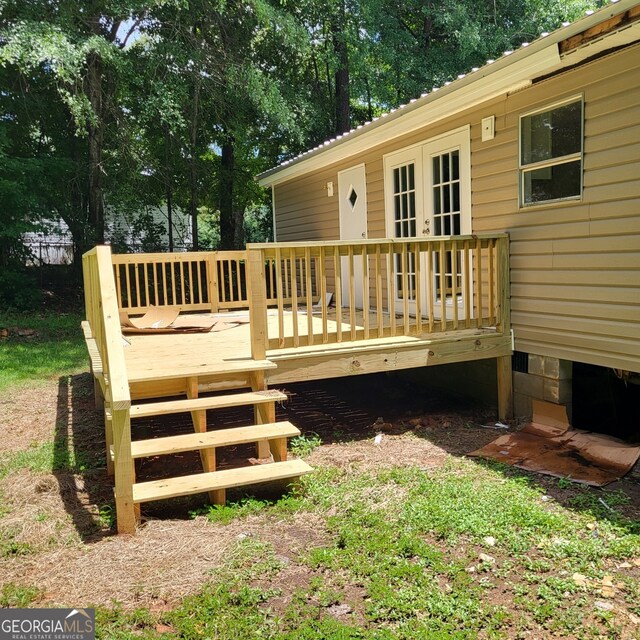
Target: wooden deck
{"points": [[396, 305], [214, 356]]}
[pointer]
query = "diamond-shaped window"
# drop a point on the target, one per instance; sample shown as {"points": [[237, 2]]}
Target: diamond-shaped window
{"points": [[352, 197]]}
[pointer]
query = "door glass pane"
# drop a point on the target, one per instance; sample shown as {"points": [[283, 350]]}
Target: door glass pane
{"points": [[445, 182], [404, 198]]}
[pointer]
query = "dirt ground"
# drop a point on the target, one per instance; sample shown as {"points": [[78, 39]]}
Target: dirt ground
{"points": [[60, 523]]}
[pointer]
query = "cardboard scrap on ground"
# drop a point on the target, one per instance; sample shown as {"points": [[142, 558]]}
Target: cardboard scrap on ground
{"points": [[547, 445], [160, 320]]}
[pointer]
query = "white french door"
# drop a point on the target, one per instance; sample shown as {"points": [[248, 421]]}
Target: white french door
{"points": [[403, 171], [447, 173], [428, 194]]}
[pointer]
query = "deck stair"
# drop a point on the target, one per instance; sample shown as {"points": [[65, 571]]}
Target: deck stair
{"points": [[269, 436], [202, 404]]}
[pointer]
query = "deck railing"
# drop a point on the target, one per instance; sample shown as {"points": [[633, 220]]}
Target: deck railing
{"points": [[197, 281], [382, 288], [379, 288], [101, 301]]}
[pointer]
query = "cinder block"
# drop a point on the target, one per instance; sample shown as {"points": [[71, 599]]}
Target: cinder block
{"points": [[558, 391], [528, 385], [522, 406], [549, 367]]}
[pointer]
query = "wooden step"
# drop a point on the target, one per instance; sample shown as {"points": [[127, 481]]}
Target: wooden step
{"points": [[212, 439], [200, 404], [214, 480], [147, 372]]}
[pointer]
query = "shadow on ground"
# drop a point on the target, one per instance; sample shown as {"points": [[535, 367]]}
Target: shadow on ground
{"points": [[79, 457], [424, 426]]}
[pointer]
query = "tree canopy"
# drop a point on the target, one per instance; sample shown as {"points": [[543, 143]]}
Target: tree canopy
{"points": [[179, 103]]}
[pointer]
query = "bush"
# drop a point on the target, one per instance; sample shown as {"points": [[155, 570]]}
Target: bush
{"points": [[18, 291]]}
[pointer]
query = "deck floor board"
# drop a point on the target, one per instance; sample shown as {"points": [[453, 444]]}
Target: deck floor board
{"points": [[170, 356]]}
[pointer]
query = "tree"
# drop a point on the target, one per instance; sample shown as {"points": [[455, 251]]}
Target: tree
{"points": [[75, 45]]}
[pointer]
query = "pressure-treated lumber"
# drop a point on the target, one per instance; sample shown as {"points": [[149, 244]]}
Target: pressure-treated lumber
{"points": [[152, 372], [208, 455], [202, 404], [212, 439], [202, 482], [265, 413]]}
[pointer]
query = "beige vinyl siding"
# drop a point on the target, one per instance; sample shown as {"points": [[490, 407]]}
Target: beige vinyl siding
{"points": [[575, 266]]}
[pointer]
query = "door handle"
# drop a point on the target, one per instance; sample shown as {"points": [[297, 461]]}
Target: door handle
{"points": [[364, 234]]}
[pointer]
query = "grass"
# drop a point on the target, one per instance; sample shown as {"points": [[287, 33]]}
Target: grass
{"points": [[46, 457], [402, 556], [468, 550], [57, 348]]}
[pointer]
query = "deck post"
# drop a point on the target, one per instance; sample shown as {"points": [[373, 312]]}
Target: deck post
{"points": [[257, 299], [212, 281], [504, 368], [207, 456], [125, 508], [118, 399]]}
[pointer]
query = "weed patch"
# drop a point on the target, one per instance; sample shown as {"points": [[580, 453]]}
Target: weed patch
{"points": [[14, 595], [303, 445]]}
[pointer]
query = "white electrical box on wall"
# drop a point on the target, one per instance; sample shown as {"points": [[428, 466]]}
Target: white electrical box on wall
{"points": [[488, 128], [329, 189]]}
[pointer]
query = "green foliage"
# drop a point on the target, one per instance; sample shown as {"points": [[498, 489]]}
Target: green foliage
{"points": [[190, 100], [14, 595], [18, 291], [304, 444]]}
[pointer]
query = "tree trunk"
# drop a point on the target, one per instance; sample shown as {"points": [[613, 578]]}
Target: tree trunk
{"points": [[227, 168], [96, 141], [342, 72], [168, 180], [169, 198], [238, 228], [193, 167]]}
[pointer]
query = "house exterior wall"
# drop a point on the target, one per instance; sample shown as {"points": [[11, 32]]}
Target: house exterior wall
{"points": [[575, 266]]}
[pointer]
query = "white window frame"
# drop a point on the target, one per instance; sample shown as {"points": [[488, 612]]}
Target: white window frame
{"points": [[552, 162]]}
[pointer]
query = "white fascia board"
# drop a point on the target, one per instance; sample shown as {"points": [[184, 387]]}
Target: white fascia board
{"points": [[483, 85]]}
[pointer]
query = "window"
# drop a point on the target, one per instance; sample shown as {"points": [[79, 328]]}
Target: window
{"points": [[551, 154]]}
